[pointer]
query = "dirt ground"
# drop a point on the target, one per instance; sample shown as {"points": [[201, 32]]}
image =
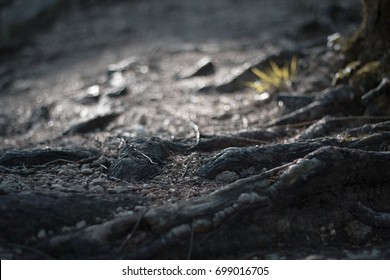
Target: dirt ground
{"points": [[68, 74]]}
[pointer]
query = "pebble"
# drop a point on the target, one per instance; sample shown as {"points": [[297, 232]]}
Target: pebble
{"points": [[77, 188], [58, 181], [67, 172], [121, 189], [86, 171], [139, 208], [98, 182], [124, 213], [56, 186], [227, 176], [96, 189], [65, 229], [41, 233], [81, 224], [145, 191]]}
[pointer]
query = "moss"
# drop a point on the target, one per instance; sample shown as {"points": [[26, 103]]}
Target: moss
{"points": [[367, 77]]}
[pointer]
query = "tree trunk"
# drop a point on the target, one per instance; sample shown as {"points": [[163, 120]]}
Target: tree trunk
{"points": [[372, 41]]}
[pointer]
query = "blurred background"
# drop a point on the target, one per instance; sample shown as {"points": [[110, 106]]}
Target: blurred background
{"points": [[188, 19]]}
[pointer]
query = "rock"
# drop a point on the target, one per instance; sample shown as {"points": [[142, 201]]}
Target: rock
{"points": [[42, 233], [237, 81], [81, 224], [116, 92], [132, 169], [122, 189], [86, 171], [227, 177], [92, 96], [67, 172], [117, 80], [203, 67], [96, 189], [76, 188], [140, 159], [96, 123], [122, 65], [98, 182]]}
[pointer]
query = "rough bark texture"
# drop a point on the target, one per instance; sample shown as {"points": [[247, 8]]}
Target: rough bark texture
{"points": [[372, 41]]}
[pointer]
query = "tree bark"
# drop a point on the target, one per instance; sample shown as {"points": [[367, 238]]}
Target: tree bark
{"points": [[372, 41]]}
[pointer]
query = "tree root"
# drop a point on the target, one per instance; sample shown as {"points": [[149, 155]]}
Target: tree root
{"points": [[166, 227]]}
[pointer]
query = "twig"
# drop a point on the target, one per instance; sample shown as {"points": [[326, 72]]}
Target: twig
{"points": [[185, 172], [130, 235], [197, 131], [146, 156]]}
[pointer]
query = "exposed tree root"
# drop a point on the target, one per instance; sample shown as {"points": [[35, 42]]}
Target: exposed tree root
{"points": [[327, 169]]}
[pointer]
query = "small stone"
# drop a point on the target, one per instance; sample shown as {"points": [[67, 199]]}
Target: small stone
{"points": [[121, 189], [81, 224], [203, 67], [139, 208], [151, 196], [58, 181], [41, 233], [227, 176], [57, 186], [67, 172], [145, 191], [77, 188], [62, 172], [87, 171], [98, 182], [85, 166], [96, 189], [124, 213], [65, 229], [116, 91]]}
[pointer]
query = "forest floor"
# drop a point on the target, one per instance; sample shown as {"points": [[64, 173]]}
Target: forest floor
{"points": [[103, 75]]}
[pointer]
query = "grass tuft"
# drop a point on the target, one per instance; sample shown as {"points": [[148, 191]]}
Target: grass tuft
{"points": [[276, 78]]}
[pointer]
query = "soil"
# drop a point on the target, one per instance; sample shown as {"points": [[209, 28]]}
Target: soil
{"points": [[104, 74]]}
